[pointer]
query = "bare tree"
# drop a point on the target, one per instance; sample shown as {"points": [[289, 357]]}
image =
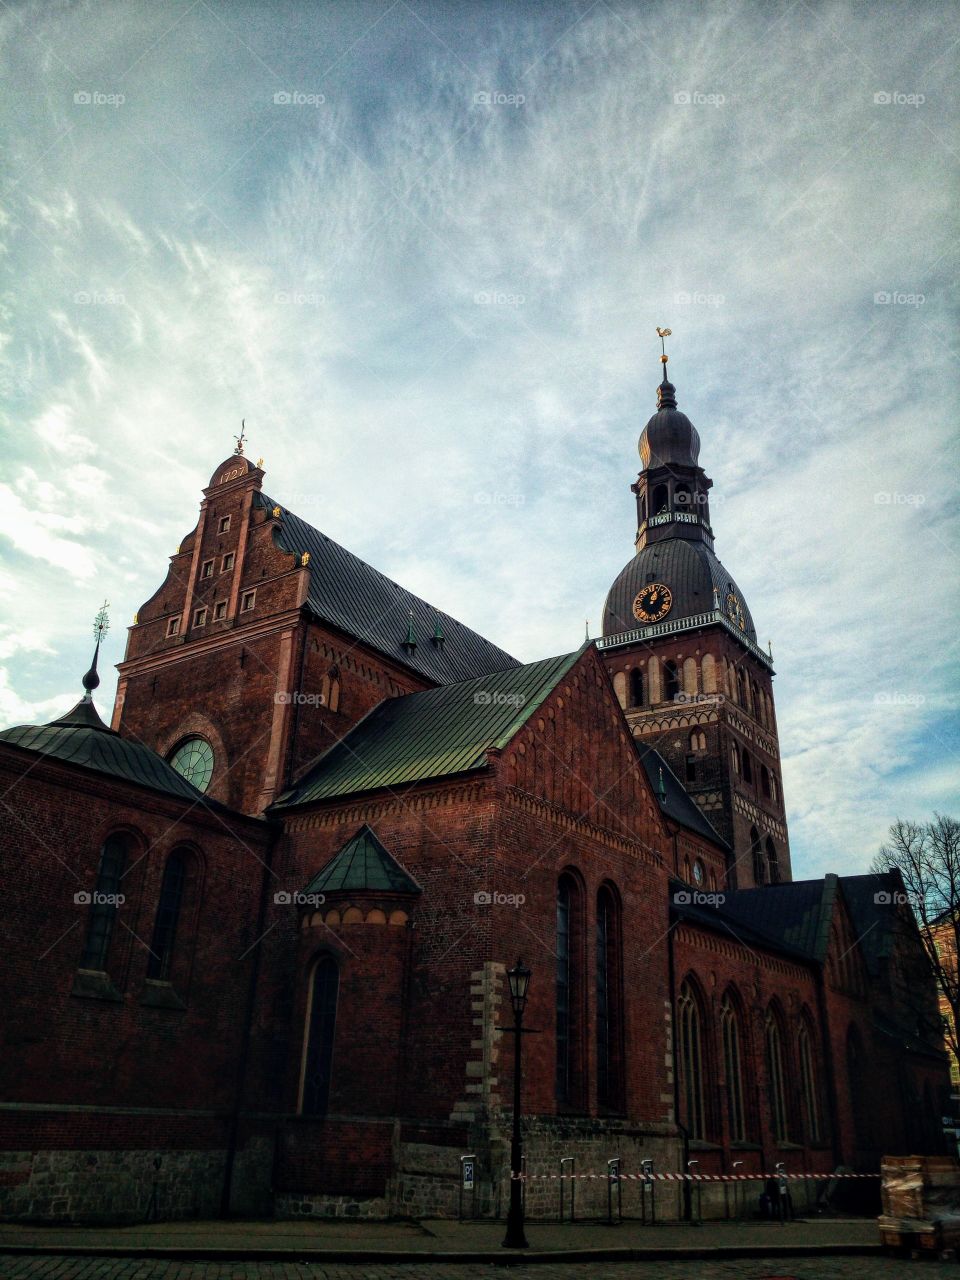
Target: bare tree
{"points": [[927, 856]]}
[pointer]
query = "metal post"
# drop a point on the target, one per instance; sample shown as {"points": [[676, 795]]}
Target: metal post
{"points": [[646, 1168], [737, 1206], [613, 1176], [468, 1174], [698, 1222], [515, 1237], [571, 1161]]}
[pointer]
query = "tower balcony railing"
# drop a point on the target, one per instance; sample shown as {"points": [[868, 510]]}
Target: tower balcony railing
{"points": [[675, 625], [681, 517]]}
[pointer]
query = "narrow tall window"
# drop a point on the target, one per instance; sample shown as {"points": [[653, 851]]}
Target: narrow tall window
{"points": [[636, 687], [168, 913], [103, 905], [765, 780], [773, 862], [563, 989], [756, 852], [808, 1084], [775, 1079], [671, 680], [659, 499], [732, 1060], [691, 1060], [747, 767], [321, 1022], [609, 1009]]}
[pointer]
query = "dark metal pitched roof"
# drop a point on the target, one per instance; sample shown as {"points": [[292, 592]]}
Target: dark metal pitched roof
{"points": [[719, 920], [432, 734], [874, 919], [794, 914], [363, 864], [689, 569], [81, 738], [674, 801], [351, 595]]}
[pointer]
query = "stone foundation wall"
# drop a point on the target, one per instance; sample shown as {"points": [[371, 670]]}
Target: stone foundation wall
{"points": [[109, 1186]]}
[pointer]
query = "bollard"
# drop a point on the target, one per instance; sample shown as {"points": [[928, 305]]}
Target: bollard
{"points": [[698, 1221], [571, 1161], [613, 1176], [468, 1177], [738, 1200], [646, 1168]]}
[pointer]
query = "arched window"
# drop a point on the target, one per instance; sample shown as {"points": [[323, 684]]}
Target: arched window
{"points": [[747, 767], [808, 1084], [773, 861], [671, 680], [735, 759], [103, 903], [609, 1001], [741, 688], [776, 1082], [682, 497], [733, 1068], [775, 787], [757, 703], [765, 780], [659, 499], [691, 1060], [756, 851], [321, 1022], [636, 687], [168, 913], [708, 670], [569, 1076], [643, 510]]}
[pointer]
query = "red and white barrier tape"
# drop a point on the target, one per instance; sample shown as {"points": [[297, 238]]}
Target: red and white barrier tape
{"points": [[685, 1177]]}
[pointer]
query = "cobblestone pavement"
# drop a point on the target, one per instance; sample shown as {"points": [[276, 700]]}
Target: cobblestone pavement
{"points": [[818, 1268]]}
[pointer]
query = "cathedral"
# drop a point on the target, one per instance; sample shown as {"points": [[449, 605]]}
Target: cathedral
{"points": [[259, 919]]}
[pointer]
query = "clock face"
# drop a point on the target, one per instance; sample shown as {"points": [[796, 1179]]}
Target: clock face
{"points": [[653, 602], [698, 872], [735, 611]]}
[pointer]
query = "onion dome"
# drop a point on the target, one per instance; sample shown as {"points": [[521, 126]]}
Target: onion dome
{"points": [[669, 438]]}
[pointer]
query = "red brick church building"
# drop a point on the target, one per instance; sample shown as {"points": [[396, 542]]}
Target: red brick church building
{"points": [[257, 927]]}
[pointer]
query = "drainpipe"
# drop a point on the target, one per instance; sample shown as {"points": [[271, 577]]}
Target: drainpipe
{"points": [[244, 1055], [831, 1080], [672, 982]]}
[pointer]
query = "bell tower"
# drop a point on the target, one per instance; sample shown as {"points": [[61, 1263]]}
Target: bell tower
{"points": [[681, 647]]}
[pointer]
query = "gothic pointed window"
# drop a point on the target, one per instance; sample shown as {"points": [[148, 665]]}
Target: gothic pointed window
{"points": [[733, 1068], [756, 853], [321, 1023], [808, 1083], [636, 687], [569, 991], [168, 914], [773, 861], [776, 1079], [747, 767], [609, 1001], [103, 903], [690, 1041], [765, 780]]}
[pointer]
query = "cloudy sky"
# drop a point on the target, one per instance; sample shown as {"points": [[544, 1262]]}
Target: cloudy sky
{"points": [[422, 248]]}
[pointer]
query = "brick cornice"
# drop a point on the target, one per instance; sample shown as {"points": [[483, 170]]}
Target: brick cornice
{"points": [[562, 817]]}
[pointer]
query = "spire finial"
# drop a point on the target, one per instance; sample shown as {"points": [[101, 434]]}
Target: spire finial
{"points": [[586, 631], [666, 392], [101, 625], [662, 790], [241, 438], [410, 643]]}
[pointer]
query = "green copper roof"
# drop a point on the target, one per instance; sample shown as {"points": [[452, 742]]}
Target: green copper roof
{"points": [[431, 734], [363, 864]]}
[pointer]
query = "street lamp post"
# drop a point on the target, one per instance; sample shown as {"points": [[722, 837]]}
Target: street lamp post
{"points": [[519, 980]]}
